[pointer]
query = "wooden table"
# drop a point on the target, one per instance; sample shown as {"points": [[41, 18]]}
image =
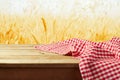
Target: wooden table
{"points": [[23, 62]]}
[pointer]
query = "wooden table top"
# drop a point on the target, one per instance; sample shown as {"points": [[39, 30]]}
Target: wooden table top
{"points": [[27, 54]]}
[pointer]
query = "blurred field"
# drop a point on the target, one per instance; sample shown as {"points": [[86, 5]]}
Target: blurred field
{"points": [[47, 29], [42, 24]]}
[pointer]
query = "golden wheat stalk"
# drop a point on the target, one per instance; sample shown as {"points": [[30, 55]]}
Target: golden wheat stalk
{"points": [[36, 30]]}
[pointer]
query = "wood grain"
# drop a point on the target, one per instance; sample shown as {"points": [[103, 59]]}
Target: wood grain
{"points": [[27, 54], [24, 62]]}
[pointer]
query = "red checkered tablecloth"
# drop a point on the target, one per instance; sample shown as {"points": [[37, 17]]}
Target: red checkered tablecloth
{"points": [[98, 60]]}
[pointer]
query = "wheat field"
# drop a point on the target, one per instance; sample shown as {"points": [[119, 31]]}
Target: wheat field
{"points": [[46, 28]]}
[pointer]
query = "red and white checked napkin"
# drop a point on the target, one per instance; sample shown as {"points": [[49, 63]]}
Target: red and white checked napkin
{"points": [[98, 60]]}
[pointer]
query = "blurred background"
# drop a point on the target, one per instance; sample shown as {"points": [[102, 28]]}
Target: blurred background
{"points": [[48, 21]]}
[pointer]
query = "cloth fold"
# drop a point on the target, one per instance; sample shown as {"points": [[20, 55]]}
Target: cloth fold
{"points": [[98, 60]]}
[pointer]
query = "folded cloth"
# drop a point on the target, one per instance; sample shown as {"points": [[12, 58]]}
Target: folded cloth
{"points": [[98, 60]]}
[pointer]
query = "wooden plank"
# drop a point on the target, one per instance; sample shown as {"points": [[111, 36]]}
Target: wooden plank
{"points": [[24, 62], [27, 54], [39, 72]]}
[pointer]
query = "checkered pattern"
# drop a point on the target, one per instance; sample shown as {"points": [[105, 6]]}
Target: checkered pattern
{"points": [[98, 61]]}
